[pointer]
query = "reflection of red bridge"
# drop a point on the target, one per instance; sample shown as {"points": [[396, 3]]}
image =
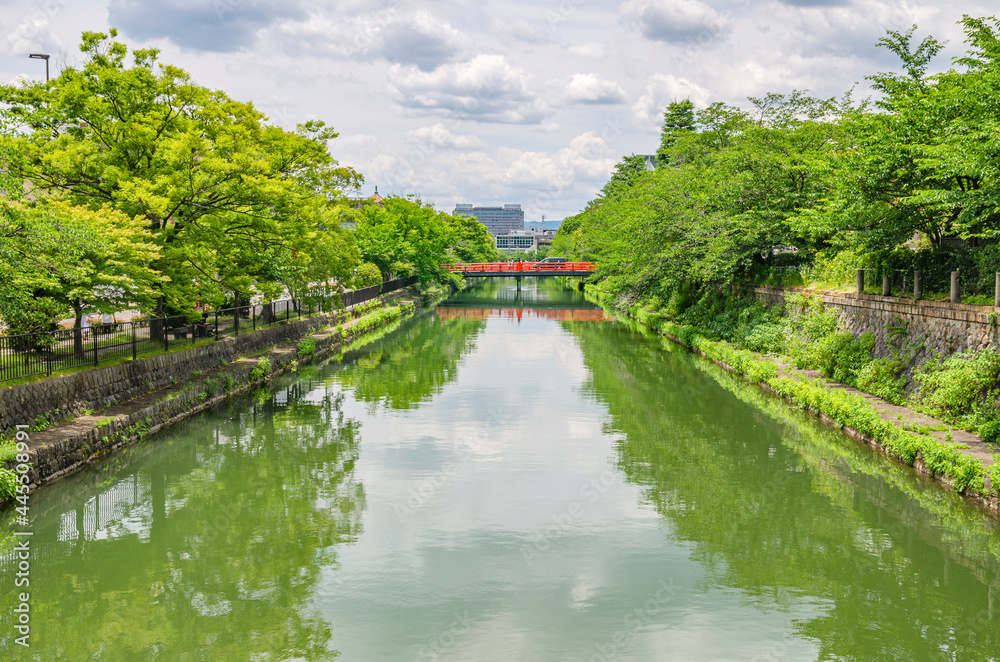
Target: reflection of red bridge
{"points": [[518, 269], [557, 314]]}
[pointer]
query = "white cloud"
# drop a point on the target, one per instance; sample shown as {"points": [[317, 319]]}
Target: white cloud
{"points": [[647, 111], [518, 28], [588, 157], [417, 38], [542, 176], [674, 20], [485, 88], [438, 135], [588, 88], [589, 50]]}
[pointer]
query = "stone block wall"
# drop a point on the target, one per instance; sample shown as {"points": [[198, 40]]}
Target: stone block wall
{"points": [[53, 460], [944, 327], [59, 398]]}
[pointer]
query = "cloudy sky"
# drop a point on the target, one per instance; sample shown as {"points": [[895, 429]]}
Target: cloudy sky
{"points": [[491, 101]]}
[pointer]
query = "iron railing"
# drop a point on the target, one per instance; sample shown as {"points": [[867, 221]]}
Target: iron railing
{"points": [[32, 354]]}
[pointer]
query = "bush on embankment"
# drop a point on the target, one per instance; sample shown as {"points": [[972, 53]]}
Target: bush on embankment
{"points": [[962, 390]]}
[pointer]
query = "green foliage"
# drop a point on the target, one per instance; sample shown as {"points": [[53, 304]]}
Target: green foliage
{"points": [[306, 348], [211, 388], [403, 237], [233, 204], [58, 257], [366, 275], [960, 388], [627, 173], [8, 450], [261, 370], [8, 484], [883, 379]]}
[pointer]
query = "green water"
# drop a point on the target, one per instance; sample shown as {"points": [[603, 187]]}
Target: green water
{"points": [[509, 477]]}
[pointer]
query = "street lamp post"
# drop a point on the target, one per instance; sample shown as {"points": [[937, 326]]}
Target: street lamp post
{"points": [[42, 56]]}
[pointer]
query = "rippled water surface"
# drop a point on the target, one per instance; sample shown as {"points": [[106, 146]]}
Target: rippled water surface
{"points": [[511, 476]]}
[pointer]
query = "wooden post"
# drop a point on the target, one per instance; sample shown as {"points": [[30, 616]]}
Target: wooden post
{"points": [[861, 281], [996, 291], [918, 284], [886, 286], [955, 291]]}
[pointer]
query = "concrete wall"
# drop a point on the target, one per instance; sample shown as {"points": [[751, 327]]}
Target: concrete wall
{"points": [[944, 327]]}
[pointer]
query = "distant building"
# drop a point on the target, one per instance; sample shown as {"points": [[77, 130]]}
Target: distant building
{"points": [[518, 240], [525, 240], [499, 220]]}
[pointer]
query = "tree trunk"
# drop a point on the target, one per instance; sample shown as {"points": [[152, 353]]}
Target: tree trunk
{"points": [[78, 331], [157, 329]]}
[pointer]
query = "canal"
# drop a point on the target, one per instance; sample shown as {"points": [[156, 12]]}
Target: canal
{"points": [[511, 476]]}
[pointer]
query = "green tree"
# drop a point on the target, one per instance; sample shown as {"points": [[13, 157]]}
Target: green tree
{"points": [[366, 275], [472, 241], [67, 257], [678, 120], [404, 237], [226, 195], [627, 173]]}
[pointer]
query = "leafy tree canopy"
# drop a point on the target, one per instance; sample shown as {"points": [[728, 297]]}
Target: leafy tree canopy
{"points": [[234, 204]]}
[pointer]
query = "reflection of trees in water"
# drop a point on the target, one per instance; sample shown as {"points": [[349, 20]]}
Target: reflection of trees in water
{"points": [[778, 513], [240, 518], [541, 291], [412, 365]]}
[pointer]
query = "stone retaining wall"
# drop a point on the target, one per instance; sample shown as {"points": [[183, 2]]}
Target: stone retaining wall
{"points": [[51, 461], [60, 398], [944, 327]]}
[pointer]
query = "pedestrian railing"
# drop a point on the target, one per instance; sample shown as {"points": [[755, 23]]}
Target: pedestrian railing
{"points": [[32, 354]]}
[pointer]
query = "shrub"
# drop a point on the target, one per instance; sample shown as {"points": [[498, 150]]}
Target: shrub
{"points": [[8, 450], [306, 347], [211, 388], [768, 338], [8, 484], [366, 275], [957, 387], [262, 370], [883, 379], [989, 430]]}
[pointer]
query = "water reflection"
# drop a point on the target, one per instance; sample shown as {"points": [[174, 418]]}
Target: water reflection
{"points": [[203, 546], [481, 486], [781, 508]]}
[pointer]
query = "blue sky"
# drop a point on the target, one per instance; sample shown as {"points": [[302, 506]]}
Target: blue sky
{"points": [[491, 102]]}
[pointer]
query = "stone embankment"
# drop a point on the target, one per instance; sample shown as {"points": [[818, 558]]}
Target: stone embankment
{"points": [[110, 407], [945, 328]]}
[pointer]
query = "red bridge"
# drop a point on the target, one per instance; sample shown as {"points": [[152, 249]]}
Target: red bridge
{"points": [[519, 269]]}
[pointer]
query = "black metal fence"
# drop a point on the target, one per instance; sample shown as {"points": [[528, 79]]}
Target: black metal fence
{"points": [[33, 354]]}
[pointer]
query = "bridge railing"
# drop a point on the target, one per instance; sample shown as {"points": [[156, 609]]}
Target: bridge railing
{"points": [[518, 267]]}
